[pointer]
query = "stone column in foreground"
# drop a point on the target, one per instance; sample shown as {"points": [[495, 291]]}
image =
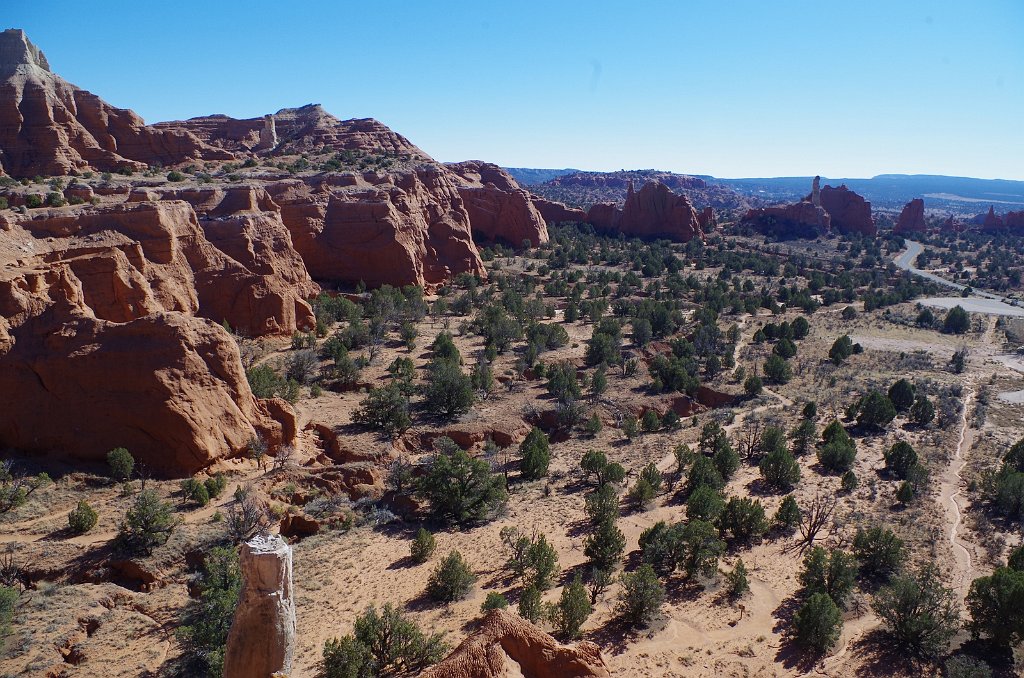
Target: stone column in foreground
{"points": [[262, 638]]}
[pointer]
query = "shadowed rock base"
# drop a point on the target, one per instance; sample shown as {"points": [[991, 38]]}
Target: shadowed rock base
{"points": [[261, 643]]}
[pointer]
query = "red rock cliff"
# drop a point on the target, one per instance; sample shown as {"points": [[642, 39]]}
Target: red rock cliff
{"points": [[498, 208], [49, 127]]}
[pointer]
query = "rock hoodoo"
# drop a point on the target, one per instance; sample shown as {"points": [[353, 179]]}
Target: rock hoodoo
{"points": [[652, 212], [508, 645], [912, 218], [261, 643], [992, 221]]}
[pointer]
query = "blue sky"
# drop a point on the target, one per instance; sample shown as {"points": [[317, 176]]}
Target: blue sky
{"points": [[732, 89]]}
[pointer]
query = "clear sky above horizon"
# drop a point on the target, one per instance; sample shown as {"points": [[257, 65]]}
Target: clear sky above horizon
{"points": [[744, 88]]}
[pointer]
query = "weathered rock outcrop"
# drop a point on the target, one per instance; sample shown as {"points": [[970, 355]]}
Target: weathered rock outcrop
{"points": [[499, 210], [167, 386], [1014, 219], [557, 213], [48, 126], [97, 323], [798, 220], [912, 218], [307, 129], [652, 212], [403, 228], [840, 209], [849, 212], [507, 645], [261, 643]]}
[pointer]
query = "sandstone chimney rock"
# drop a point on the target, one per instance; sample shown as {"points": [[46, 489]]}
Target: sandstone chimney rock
{"points": [[507, 645], [261, 642]]}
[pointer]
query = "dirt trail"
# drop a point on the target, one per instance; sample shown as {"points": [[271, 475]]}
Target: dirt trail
{"points": [[950, 489]]}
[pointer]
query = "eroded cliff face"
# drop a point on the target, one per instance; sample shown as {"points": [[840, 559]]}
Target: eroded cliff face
{"points": [[407, 228], [48, 126], [102, 341], [498, 208], [849, 212], [798, 220]]}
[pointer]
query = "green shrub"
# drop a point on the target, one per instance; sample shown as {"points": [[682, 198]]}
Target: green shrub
{"points": [[879, 552], [962, 666], [146, 525], [530, 606], [423, 546], [837, 456], [382, 644], [704, 503], [33, 201], [535, 455], [207, 619], [195, 491], [788, 515], [849, 481], [818, 623], [55, 199], [82, 518], [957, 321], [121, 463], [451, 580], [385, 408], [780, 470], [736, 583], [875, 411], [604, 547], [8, 601], [175, 176], [742, 519], [996, 604], [641, 596], [215, 485], [494, 601], [574, 607], [921, 615], [832, 573], [482, 492]]}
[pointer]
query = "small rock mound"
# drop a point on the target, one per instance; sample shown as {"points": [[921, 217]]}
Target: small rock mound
{"points": [[507, 645]]}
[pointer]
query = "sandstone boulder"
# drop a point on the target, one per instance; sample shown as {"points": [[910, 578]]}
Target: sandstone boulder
{"points": [[261, 643], [912, 218], [507, 645]]}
